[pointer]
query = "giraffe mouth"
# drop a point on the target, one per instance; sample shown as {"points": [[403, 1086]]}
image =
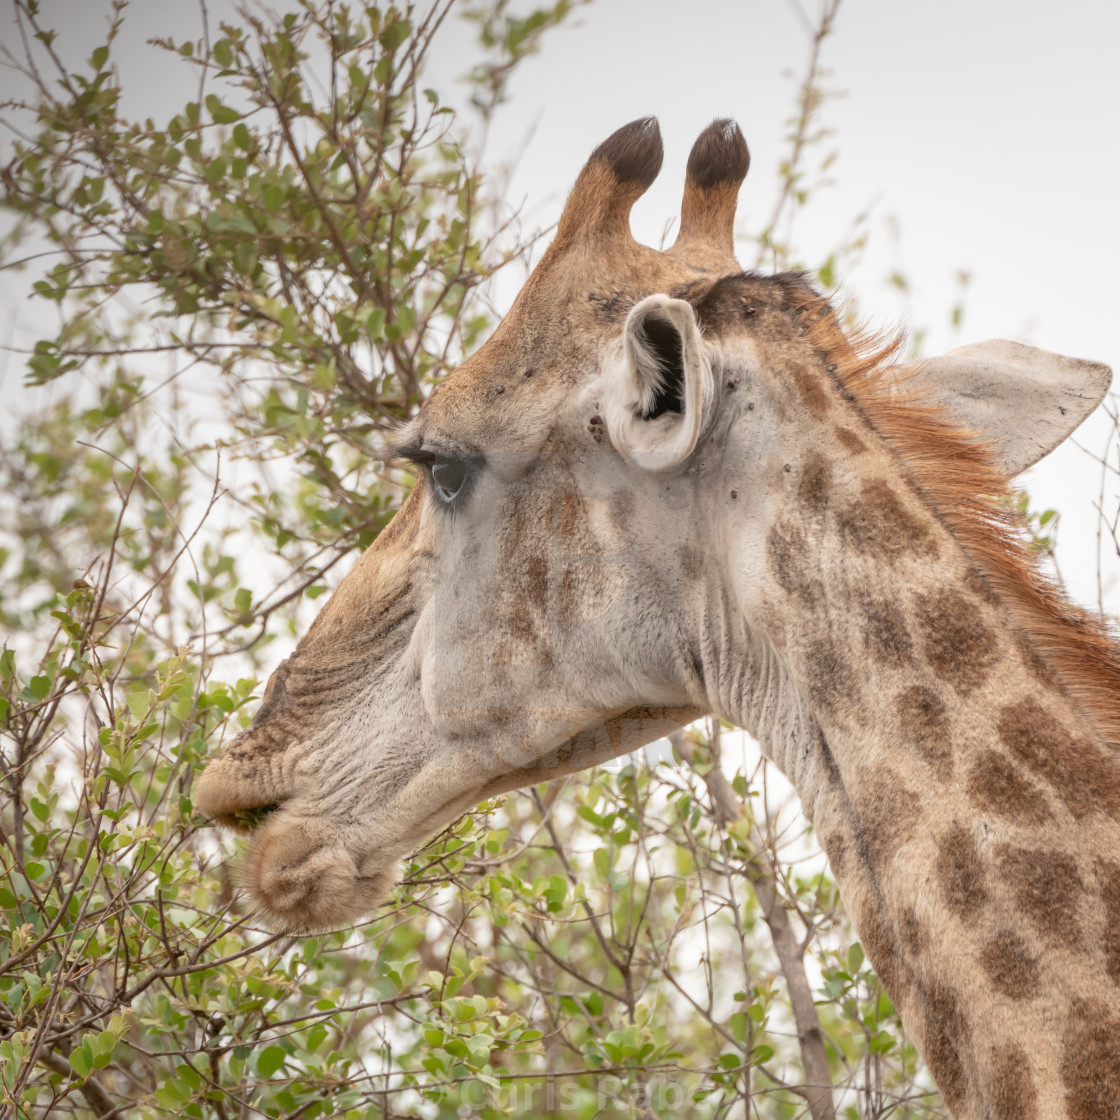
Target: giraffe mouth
{"points": [[238, 790], [248, 820]]}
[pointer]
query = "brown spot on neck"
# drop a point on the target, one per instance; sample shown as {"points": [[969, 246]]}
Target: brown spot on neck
{"points": [[1108, 876], [947, 1038], [811, 390], [787, 550], [878, 525], [957, 645], [692, 562], [829, 682], [1090, 1068], [573, 516], [850, 441], [995, 785], [1085, 777], [1038, 669], [815, 486], [925, 723], [535, 584], [886, 637], [979, 586], [915, 939], [961, 874], [1010, 966], [1012, 1085], [1047, 888], [888, 816], [879, 943]]}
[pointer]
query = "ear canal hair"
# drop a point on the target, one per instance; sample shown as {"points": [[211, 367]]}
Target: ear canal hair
{"points": [[717, 166], [665, 350]]}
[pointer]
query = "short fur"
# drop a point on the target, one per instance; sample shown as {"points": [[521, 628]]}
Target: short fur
{"points": [[955, 472]]}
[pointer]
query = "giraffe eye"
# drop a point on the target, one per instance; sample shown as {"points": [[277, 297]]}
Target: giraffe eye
{"points": [[448, 478]]}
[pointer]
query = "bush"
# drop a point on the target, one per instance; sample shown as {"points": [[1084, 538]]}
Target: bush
{"points": [[248, 294]]}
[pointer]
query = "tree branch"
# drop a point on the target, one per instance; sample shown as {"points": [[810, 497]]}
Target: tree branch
{"points": [[727, 808]]}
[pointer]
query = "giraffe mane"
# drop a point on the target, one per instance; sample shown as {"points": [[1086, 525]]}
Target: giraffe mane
{"points": [[957, 475]]}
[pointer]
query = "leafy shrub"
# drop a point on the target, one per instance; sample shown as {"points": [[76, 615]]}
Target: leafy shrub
{"points": [[247, 295]]}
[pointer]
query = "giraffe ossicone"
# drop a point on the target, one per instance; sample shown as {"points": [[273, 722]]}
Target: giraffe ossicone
{"points": [[710, 498]]}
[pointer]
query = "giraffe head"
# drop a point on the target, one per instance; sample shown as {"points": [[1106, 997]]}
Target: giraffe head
{"points": [[589, 557]]}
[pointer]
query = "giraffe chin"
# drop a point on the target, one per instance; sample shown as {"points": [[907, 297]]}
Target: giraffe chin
{"points": [[301, 877]]}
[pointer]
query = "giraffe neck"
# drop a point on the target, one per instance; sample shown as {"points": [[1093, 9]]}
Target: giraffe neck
{"points": [[969, 809]]}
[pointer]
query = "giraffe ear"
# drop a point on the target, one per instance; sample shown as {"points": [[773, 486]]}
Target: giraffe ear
{"points": [[656, 404], [1021, 400]]}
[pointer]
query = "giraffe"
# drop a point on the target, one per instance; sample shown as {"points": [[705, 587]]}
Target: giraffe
{"points": [[667, 487]]}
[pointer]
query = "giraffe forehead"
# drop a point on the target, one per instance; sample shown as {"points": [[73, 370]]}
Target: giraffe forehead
{"points": [[559, 324]]}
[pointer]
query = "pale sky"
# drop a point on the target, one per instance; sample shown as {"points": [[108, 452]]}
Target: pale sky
{"points": [[988, 132]]}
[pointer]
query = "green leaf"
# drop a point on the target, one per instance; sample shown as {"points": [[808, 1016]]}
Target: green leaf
{"points": [[173, 1094], [138, 704], [855, 957], [882, 1043], [480, 1045], [602, 860], [81, 1062], [395, 34], [270, 1059], [190, 1076], [406, 320], [222, 114], [99, 57]]}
